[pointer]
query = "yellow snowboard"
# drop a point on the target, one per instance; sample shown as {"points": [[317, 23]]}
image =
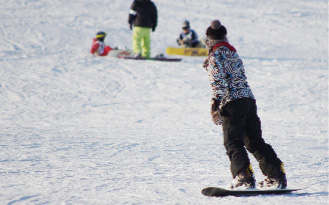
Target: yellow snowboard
{"points": [[187, 51]]}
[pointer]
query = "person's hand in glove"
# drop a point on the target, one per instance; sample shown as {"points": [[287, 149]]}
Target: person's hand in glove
{"points": [[216, 117]]}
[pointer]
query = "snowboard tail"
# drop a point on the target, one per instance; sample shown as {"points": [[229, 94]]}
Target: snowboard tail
{"points": [[221, 192], [187, 51], [120, 53]]}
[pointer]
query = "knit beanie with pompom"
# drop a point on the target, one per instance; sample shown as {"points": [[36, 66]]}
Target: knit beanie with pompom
{"points": [[216, 33]]}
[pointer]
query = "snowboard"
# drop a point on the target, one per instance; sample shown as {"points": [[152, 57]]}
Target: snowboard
{"points": [[221, 192], [187, 51], [120, 53], [154, 58], [129, 54]]}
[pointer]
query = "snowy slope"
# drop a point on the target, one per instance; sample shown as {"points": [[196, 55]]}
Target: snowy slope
{"points": [[79, 129]]}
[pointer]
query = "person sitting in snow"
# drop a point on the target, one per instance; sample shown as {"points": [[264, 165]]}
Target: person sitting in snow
{"points": [[188, 38], [98, 47]]}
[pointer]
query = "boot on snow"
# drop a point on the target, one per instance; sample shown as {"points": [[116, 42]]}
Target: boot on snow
{"points": [[278, 180], [244, 179]]}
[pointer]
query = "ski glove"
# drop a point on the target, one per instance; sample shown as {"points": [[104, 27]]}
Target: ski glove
{"points": [[153, 29], [216, 116]]}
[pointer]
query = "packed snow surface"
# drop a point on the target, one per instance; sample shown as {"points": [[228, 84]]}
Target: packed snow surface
{"points": [[81, 129]]}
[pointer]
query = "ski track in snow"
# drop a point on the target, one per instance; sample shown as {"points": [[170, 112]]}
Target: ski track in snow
{"points": [[79, 129]]}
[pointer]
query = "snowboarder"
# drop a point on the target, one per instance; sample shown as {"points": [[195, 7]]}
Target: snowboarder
{"points": [[143, 17], [234, 107], [99, 47], [188, 38]]}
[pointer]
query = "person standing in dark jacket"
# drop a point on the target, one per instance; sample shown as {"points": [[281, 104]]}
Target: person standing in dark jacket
{"points": [[234, 107], [143, 17]]}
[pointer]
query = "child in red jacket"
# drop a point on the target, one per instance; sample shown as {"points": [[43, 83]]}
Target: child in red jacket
{"points": [[99, 47]]}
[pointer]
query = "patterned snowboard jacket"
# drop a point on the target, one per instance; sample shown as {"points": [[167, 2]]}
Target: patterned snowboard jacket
{"points": [[227, 74]]}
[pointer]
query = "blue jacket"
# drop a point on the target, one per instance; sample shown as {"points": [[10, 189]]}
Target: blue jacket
{"points": [[191, 35]]}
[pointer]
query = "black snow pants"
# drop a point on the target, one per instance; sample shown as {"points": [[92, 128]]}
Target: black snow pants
{"points": [[242, 130]]}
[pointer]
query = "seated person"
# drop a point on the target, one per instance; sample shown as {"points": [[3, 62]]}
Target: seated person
{"points": [[188, 38], [99, 48]]}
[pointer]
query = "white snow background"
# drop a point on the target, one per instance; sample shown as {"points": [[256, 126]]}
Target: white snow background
{"points": [[80, 129]]}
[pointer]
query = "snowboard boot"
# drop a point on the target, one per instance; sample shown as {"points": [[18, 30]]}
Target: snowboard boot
{"points": [[273, 182], [244, 179], [276, 181], [137, 55]]}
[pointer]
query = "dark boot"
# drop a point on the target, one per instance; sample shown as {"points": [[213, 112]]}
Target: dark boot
{"points": [[278, 180], [244, 179]]}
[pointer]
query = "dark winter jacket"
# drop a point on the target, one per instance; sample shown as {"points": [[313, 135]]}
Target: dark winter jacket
{"points": [[143, 13], [191, 35], [227, 74]]}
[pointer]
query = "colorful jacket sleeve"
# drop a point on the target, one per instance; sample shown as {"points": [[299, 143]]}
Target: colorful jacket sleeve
{"points": [[217, 75]]}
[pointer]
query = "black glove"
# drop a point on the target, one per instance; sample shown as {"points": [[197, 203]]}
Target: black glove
{"points": [[153, 29], [131, 26], [216, 117], [215, 104], [186, 43], [178, 41]]}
